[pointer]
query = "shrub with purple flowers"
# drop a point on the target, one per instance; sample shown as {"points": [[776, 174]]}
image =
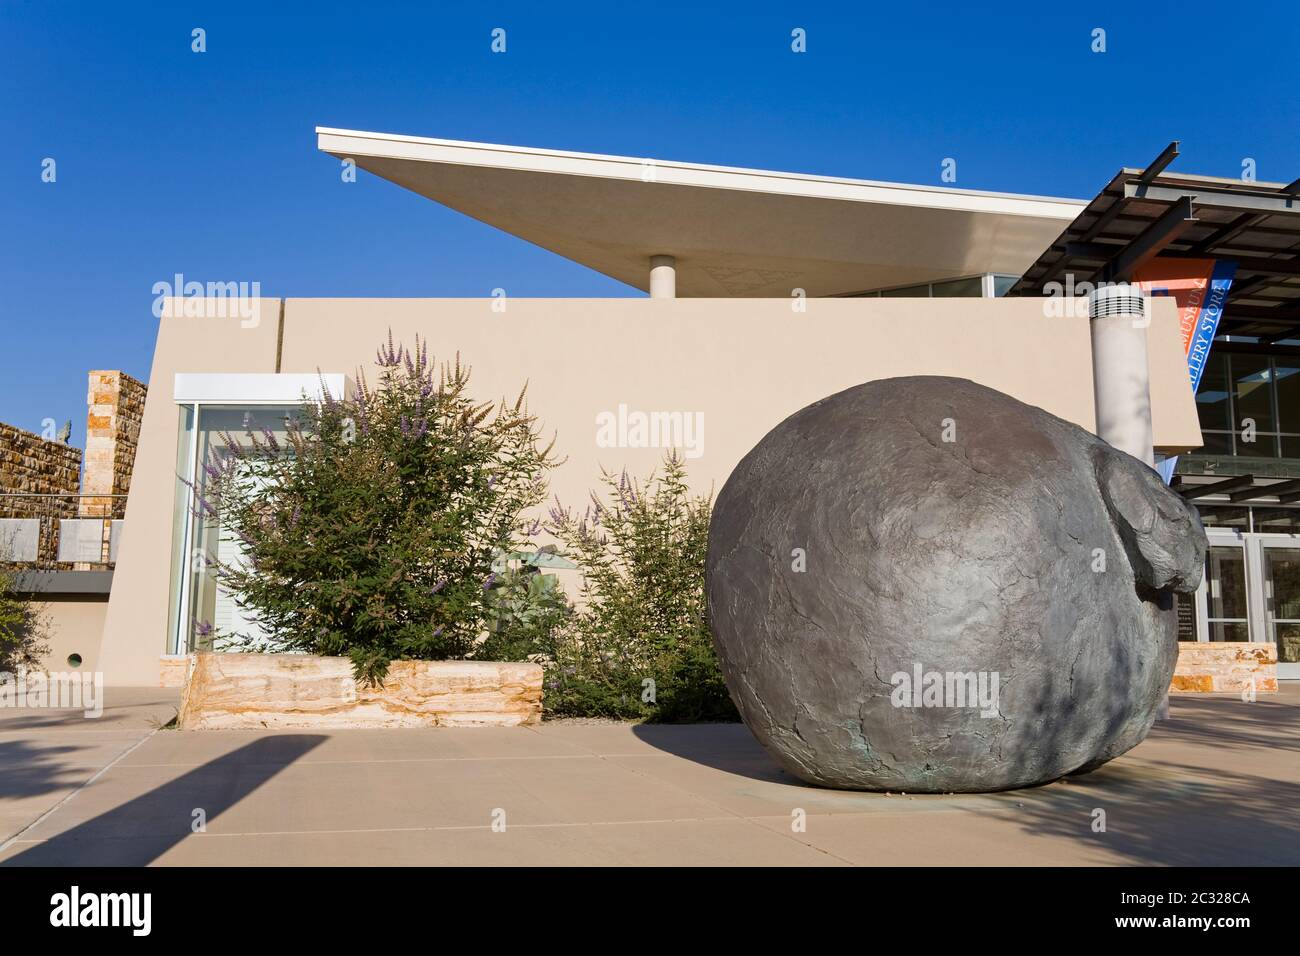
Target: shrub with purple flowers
{"points": [[641, 647], [370, 530]]}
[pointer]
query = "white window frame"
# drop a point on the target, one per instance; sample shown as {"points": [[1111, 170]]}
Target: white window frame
{"points": [[198, 390]]}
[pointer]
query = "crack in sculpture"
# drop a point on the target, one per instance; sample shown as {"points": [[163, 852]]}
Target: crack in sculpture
{"points": [[971, 555]]}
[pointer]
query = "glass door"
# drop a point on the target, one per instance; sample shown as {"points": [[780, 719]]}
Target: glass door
{"points": [[1224, 598], [1280, 575]]}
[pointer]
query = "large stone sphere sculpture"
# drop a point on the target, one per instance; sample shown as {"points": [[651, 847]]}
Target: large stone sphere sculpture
{"points": [[925, 585]]}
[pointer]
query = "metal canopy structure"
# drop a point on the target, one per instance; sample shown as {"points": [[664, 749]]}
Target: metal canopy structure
{"points": [[1238, 489], [1147, 213]]}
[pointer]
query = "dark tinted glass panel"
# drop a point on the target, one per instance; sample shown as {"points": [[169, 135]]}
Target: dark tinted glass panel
{"points": [[1212, 396], [1288, 395], [959, 287], [1277, 520], [911, 292], [1262, 446], [1002, 284], [1288, 643], [1218, 516], [1252, 393], [1290, 447], [1215, 444], [1226, 571], [1282, 565], [1229, 632]]}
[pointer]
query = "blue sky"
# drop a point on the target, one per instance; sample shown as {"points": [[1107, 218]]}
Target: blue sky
{"points": [[205, 164]]}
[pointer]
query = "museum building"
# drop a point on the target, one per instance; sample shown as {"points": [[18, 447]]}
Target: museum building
{"points": [[767, 291]]}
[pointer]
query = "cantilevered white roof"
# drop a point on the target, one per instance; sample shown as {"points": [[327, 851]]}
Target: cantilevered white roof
{"points": [[734, 232]]}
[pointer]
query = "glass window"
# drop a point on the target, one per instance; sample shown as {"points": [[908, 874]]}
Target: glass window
{"points": [[1225, 570], [1286, 373], [959, 288], [1222, 516], [1282, 570], [1002, 284], [1279, 520], [1215, 443], [1262, 446], [206, 609], [910, 292], [180, 509], [1212, 399], [1252, 379]]}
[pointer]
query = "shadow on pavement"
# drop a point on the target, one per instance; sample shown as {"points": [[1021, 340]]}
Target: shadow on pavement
{"points": [[141, 830], [28, 770], [1184, 808], [1157, 816], [1271, 723], [730, 748]]}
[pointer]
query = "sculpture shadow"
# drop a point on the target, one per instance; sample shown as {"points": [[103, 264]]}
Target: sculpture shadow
{"points": [[138, 832], [1156, 816], [1234, 724], [1174, 813], [731, 748]]}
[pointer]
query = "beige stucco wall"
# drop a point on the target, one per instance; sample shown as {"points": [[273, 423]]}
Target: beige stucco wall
{"points": [[74, 625], [135, 627], [745, 364]]}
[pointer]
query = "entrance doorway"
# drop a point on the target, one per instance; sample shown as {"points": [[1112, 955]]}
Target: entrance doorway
{"points": [[1251, 592]]}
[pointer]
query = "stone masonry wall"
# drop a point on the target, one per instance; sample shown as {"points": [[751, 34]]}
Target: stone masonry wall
{"points": [[115, 408], [31, 466]]}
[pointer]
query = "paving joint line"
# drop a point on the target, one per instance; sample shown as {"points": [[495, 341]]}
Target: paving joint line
{"points": [[103, 770]]}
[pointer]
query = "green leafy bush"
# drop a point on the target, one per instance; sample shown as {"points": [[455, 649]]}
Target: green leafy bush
{"points": [[525, 607], [24, 630], [370, 531], [641, 647]]}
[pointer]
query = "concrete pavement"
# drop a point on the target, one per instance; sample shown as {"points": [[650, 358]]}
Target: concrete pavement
{"points": [[1219, 783]]}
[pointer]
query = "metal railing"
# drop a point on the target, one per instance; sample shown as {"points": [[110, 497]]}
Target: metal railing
{"points": [[58, 532]]}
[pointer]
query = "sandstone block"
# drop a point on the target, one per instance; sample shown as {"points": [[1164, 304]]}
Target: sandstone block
{"points": [[226, 691]]}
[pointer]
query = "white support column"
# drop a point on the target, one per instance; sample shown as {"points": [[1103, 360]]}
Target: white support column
{"points": [[1121, 379], [1120, 374], [663, 277]]}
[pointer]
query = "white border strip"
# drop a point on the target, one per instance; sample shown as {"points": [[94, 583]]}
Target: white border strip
{"points": [[350, 143], [255, 388]]}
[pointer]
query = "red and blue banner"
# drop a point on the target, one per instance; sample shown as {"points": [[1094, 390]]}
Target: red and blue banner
{"points": [[1200, 288]]}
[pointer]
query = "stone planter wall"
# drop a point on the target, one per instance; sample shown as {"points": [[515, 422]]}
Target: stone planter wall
{"points": [[225, 691], [1209, 667]]}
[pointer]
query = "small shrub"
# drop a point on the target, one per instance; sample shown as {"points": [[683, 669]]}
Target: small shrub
{"points": [[526, 608], [641, 647], [24, 630]]}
